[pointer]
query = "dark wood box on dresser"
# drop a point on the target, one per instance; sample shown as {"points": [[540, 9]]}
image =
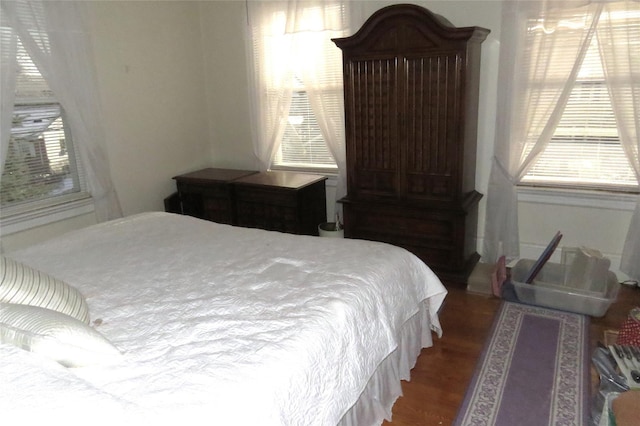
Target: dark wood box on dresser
{"points": [[281, 201], [411, 84], [208, 193]]}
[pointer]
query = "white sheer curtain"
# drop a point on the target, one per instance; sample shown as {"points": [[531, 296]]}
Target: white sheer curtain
{"points": [[8, 45], [543, 45], [326, 96], [56, 37], [621, 64], [290, 38]]}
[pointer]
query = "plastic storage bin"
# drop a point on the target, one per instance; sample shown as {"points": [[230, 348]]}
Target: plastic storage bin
{"points": [[548, 290]]}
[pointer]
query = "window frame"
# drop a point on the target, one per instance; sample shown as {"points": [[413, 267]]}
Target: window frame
{"points": [[588, 186], [28, 214], [576, 197], [273, 35], [305, 167]]}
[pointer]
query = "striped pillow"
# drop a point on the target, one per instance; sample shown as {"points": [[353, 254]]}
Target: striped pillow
{"points": [[23, 285], [57, 336]]}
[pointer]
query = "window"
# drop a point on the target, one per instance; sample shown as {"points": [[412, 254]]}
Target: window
{"points": [[297, 71], [585, 150], [302, 145], [41, 163]]}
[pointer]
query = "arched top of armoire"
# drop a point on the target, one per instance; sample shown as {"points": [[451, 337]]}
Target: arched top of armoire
{"points": [[409, 26]]}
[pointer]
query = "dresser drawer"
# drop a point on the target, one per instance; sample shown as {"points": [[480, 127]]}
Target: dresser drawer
{"points": [[410, 224], [208, 193], [441, 229], [432, 235], [213, 190], [281, 201], [270, 196], [267, 216]]}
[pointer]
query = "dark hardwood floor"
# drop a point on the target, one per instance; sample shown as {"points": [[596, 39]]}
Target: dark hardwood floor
{"points": [[442, 373]]}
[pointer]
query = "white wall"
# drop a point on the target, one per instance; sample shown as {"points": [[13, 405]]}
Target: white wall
{"points": [[173, 80], [151, 79], [223, 25], [597, 222], [151, 76]]}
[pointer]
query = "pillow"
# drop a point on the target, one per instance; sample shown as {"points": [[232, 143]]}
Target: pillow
{"points": [[58, 336], [24, 285]]}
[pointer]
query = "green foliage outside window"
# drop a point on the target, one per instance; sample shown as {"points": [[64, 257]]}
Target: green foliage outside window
{"points": [[18, 182]]}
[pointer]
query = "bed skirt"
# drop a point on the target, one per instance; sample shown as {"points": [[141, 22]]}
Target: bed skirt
{"points": [[384, 387]]}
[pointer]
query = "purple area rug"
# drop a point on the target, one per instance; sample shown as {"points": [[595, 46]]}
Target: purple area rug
{"points": [[533, 371]]}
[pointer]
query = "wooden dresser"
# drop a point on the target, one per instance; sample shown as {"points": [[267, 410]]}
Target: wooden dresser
{"points": [[281, 201], [275, 200], [411, 105], [208, 193]]}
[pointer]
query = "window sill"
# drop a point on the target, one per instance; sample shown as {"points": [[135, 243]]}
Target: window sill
{"points": [[329, 171], [578, 198], [21, 218]]}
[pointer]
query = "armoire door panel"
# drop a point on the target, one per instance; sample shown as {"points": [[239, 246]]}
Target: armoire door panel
{"points": [[432, 126], [429, 187], [377, 182], [373, 106]]}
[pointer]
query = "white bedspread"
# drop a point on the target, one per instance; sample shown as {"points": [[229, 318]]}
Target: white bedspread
{"points": [[226, 325]]}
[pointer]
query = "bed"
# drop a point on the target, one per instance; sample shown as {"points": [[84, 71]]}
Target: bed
{"points": [[215, 324]]}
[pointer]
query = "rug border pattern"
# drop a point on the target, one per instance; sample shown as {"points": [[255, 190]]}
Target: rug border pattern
{"points": [[568, 407]]}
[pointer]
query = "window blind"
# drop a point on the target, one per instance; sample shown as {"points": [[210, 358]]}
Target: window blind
{"points": [[302, 142], [585, 150], [303, 146], [40, 162]]}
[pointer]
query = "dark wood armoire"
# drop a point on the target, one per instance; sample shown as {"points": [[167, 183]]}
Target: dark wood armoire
{"points": [[411, 107]]}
